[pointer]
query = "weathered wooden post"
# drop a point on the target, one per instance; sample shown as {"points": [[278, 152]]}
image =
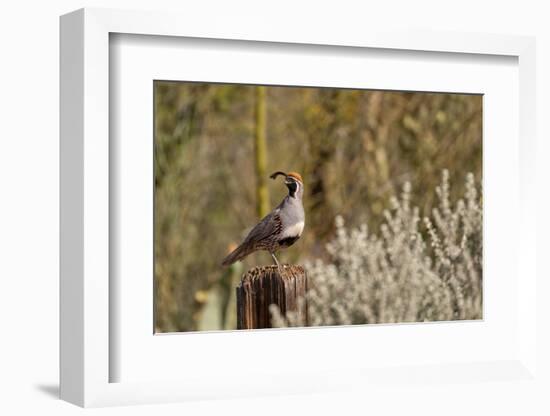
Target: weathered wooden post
{"points": [[263, 286]]}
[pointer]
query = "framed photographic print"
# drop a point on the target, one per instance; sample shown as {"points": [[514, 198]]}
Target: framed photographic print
{"points": [[266, 213]]}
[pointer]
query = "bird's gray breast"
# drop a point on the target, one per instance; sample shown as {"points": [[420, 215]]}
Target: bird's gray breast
{"points": [[293, 218]]}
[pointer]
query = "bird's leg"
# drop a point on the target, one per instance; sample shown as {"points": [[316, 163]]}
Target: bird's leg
{"points": [[276, 262]]}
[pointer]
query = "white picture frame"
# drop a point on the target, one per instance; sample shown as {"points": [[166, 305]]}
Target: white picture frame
{"points": [[87, 355]]}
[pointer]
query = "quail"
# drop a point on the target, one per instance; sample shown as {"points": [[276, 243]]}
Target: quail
{"points": [[279, 229]]}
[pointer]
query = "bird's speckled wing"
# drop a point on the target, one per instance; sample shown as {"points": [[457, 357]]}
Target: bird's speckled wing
{"points": [[267, 229]]}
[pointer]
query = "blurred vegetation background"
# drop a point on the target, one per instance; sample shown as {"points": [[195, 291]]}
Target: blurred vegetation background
{"points": [[216, 144]]}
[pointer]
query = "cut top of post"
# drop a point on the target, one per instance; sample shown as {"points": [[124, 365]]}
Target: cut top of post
{"points": [[263, 286]]}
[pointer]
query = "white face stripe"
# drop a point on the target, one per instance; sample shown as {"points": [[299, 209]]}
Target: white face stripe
{"points": [[298, 184]]}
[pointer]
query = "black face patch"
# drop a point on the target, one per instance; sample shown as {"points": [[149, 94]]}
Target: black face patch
{"points": [[292, 188]]}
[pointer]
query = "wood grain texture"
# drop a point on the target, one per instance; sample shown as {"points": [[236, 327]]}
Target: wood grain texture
{"points": [[263, 286]]}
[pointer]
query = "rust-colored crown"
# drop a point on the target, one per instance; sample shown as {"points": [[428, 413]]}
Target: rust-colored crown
{"points": [[296, 176]]}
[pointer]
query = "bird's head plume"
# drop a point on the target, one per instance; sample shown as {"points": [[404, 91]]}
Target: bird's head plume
{"points": [[275, 174], [293, 181]]}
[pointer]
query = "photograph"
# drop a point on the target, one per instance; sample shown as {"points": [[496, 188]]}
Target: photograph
{"points": [[303, 206]]}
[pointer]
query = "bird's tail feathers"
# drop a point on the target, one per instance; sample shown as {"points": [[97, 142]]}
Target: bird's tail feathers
{"points": [[238, 254]]}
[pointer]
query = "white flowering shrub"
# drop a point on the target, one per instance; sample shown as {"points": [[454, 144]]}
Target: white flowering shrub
{"points": [[411, 271]]}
